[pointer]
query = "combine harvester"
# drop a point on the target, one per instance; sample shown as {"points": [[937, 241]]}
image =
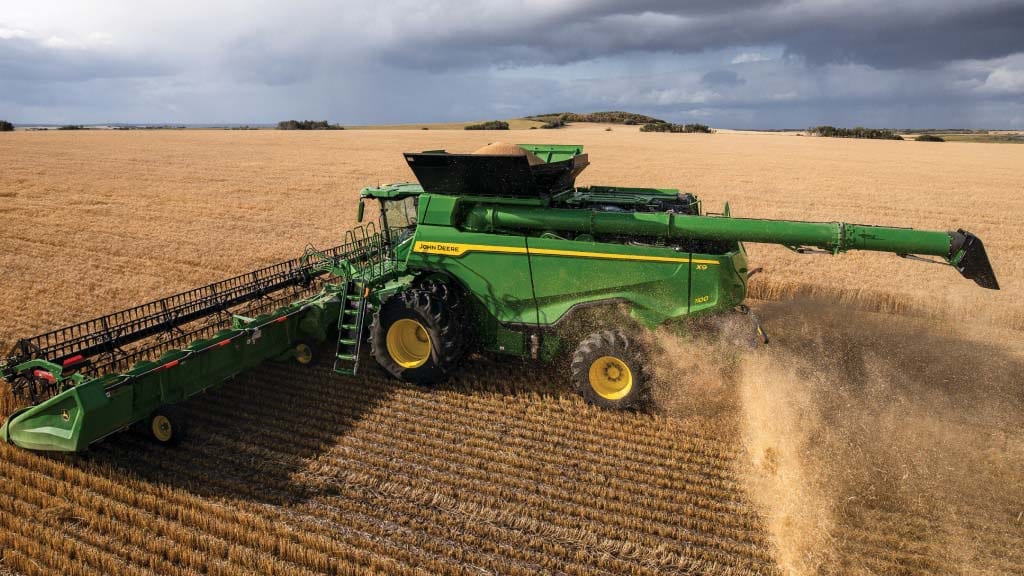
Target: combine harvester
{"points": [[495, 252]]}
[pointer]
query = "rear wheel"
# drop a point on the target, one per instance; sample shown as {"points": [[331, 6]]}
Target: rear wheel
{"points": [[168, 426], [607, 370], [413, 338]]}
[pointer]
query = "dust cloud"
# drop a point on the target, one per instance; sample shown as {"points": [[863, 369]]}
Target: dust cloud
{"points": [[875, 443]]}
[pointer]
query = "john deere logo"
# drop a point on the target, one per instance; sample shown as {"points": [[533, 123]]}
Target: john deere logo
{"points": [[64, 415], [439, 248]]}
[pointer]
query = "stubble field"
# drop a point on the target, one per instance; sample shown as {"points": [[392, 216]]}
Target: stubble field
{"points": [[879, 433]]}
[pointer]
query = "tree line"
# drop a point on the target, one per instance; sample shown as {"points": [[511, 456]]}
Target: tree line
{"points": [[857, 132], [558, 119], [489, 125], [308, 125], [678, 128], [554, 123]]}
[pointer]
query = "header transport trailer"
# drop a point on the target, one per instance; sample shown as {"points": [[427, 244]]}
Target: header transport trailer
{"points": [[496, 251]]}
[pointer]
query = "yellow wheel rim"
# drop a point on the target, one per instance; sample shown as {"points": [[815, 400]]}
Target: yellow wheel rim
{"points": [[303, 354], [611, 378], [162, 430], [408, 343]]}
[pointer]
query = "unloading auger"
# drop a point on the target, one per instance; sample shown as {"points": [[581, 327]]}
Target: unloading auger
{"points": [[498, 253]]}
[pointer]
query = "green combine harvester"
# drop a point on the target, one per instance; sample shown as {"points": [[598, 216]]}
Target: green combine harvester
{"points": [[488, 252]]}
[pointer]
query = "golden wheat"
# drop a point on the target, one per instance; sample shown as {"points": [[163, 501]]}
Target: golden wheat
{"points": [[503, 469], [96, 220]]}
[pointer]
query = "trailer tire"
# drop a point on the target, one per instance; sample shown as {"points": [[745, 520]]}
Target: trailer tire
{"points": [[607, 370], [167, 426], [413, 338], [305, 353]]}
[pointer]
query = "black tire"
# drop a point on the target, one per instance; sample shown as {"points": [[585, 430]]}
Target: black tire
{"points": [[167, 426], [436, 349], [305, 353], [607, 370], [453, 298]]}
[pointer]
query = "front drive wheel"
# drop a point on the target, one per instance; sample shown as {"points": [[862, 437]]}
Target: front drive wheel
{"points": [[607, 370], [412, 337]]}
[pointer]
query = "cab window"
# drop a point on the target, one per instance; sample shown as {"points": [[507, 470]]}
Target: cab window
{"points": [[400, 216]]}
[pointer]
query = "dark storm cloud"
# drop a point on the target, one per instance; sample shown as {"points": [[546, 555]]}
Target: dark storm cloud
{"points": [[926, 36], [745, 63], [879, 34], [32, 60], [721, 78], [252, 58]]}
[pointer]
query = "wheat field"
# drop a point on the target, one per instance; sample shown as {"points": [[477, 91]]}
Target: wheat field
{"points": [[878, 433]]}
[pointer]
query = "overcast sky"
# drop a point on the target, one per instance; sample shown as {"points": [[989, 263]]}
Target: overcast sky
{"points": [[748, 63]]}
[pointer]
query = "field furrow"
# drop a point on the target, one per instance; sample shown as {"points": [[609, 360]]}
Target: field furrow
{"points": [[494, 416], [460, 483], [676, 476]]}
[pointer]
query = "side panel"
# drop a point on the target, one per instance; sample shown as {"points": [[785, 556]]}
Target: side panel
{"points": [[716, 288], [659, 283], [568, 272], [705, 285], [494, 268]]}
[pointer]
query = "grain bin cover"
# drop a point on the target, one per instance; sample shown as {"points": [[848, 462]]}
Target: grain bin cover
{"points": [[509, 173]]}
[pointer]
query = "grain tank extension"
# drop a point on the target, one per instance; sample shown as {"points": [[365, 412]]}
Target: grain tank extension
{"points": [[494, 253]]}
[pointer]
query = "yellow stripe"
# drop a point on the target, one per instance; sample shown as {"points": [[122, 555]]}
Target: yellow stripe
{"points": [[456, 250]]}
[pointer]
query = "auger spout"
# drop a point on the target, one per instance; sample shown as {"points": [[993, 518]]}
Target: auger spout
{"points": [[960, 249]]}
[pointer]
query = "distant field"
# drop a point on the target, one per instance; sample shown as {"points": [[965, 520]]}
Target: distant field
{"points": [[879, 433], [513, 124], [986, 138]]}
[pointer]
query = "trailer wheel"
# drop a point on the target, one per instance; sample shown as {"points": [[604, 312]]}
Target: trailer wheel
{"points": [[305, 353], [168, 426], [413, 338], [607, 370]]}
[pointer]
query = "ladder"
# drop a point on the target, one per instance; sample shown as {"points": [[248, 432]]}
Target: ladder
{"points": [[351, 316]]}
